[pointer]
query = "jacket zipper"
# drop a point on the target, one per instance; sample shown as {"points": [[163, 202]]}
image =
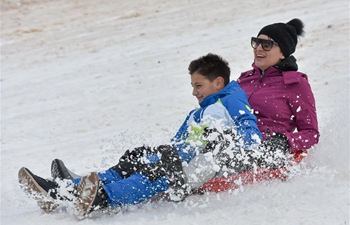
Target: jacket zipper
{"points": [[261, 76]]}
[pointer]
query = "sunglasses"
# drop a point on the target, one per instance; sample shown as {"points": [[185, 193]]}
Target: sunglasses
{"points": [[265, 44]]}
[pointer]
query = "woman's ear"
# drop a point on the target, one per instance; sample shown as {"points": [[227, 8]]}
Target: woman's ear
{"points": [[282, 56]]}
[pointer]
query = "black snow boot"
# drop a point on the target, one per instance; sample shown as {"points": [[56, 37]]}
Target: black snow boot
{"points": [[42, 190], [91, 195], [60, 171]]}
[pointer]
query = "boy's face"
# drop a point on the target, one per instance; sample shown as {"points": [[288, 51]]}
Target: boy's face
{"points": [[203, 87]]}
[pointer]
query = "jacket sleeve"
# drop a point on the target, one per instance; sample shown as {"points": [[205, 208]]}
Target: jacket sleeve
{"points": [[245, 123], [302, 104], [179, 141]]}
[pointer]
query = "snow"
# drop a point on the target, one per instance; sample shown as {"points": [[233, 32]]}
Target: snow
{"points": [[85, 80]]}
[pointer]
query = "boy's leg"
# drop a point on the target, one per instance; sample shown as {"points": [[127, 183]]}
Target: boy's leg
{"points": [[94, 194], [169, 166], [96, 189], [109, 176], [134, 189], [133, 161], [152, 179]]}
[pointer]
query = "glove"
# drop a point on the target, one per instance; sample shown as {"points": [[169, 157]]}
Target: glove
{"points": [[131, 162], [216, 139], [277, 141]]}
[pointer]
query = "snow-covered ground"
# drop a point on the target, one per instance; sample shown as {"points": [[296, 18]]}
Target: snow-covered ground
{"points": [[85, 80]]}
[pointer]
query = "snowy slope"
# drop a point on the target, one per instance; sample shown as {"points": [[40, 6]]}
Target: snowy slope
{"points": [[85, 80]]}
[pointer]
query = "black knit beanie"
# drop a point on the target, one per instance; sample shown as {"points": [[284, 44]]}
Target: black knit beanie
{"points": [[285, 34]]}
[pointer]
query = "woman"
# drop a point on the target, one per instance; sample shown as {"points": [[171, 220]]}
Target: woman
{"points": [[280, 96]]}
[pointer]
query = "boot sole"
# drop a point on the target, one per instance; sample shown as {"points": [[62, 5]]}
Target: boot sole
{"points": [[87, 192], [35, 191]]}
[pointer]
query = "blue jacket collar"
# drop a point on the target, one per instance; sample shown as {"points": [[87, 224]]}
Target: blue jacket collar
{"points": [[230, 89]]}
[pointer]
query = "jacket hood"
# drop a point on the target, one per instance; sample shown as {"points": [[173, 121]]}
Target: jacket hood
{"points": [[288, 64], [230, 89]]}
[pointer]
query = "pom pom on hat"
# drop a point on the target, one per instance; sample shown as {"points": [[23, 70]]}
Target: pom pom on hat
{"points": [[285, 34]]}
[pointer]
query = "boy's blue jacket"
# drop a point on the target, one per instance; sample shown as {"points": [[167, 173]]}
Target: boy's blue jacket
{"points": [[225, 110]]}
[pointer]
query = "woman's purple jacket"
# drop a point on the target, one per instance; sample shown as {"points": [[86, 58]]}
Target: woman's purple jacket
{"points": [[283, 102]]}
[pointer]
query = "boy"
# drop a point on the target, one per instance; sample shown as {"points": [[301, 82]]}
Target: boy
{"points": [[202, 147]]}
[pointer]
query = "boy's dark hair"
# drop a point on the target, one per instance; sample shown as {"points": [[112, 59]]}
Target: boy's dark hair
{"points": [[211, 66]]}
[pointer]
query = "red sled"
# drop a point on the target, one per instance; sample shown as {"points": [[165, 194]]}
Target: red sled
{"points": [[220, 184]]}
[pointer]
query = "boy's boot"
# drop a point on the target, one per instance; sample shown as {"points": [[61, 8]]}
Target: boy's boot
{"points": [[60, 171], [42, 190], [91, 195]]}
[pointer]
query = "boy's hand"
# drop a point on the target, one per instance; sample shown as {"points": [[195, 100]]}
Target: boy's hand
{"points": [[217, 140]]}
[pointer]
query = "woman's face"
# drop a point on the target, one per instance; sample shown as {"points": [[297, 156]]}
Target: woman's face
{"points": [[265, 59]]}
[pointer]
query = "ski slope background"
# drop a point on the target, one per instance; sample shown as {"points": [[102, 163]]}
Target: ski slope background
{"points": [[85, 80]]}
